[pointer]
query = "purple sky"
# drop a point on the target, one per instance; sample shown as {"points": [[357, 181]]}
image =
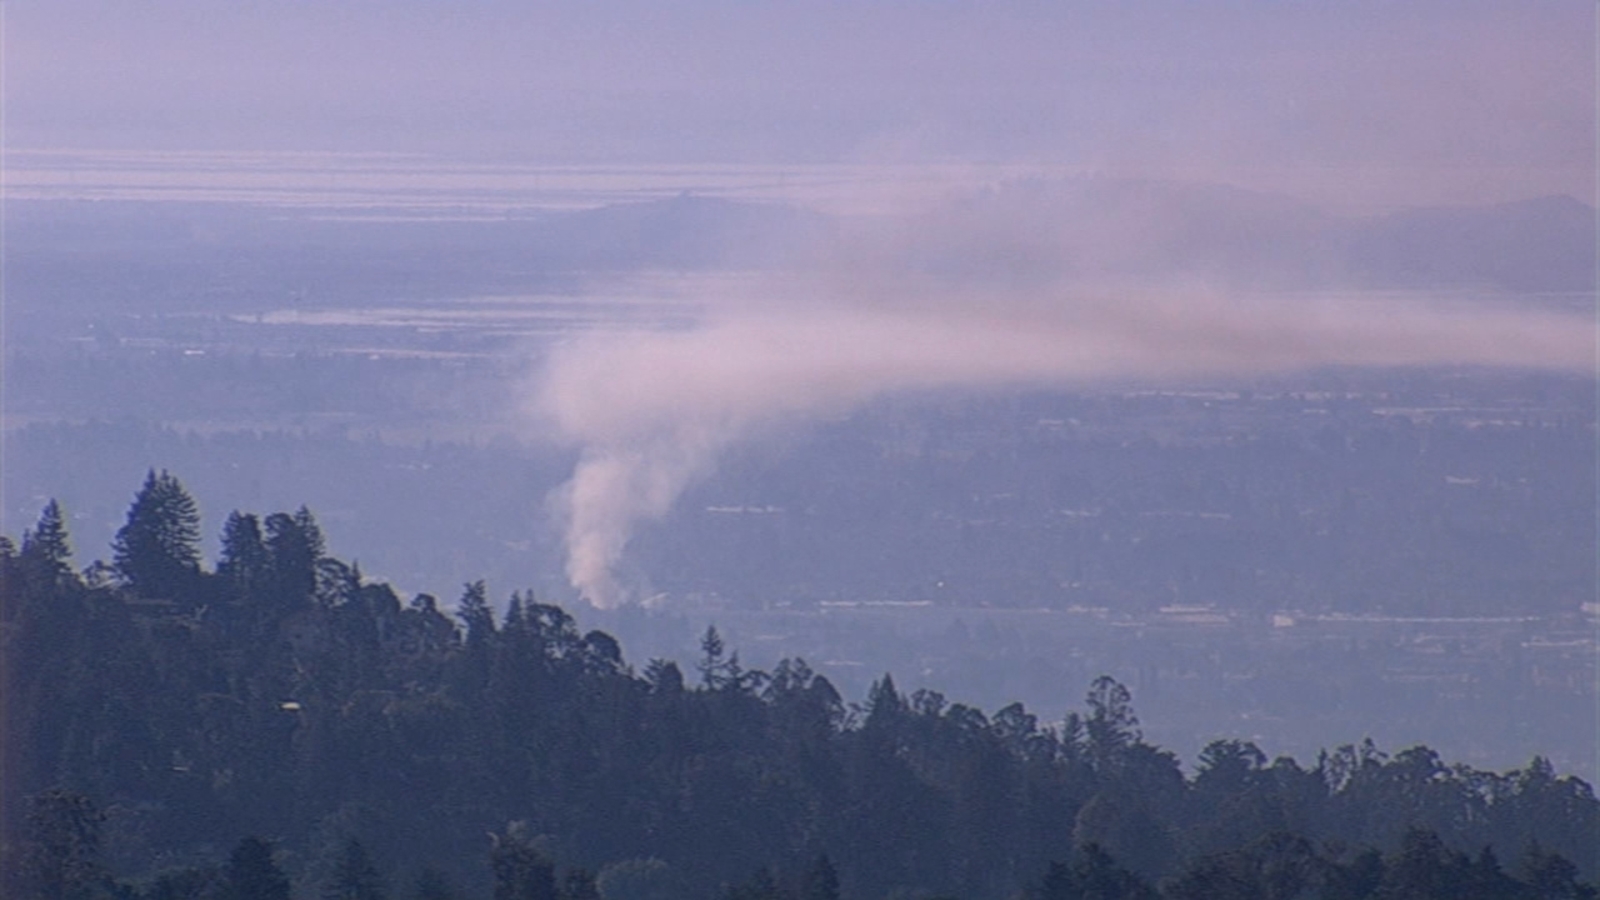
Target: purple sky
{"points": [[1480, 97]]}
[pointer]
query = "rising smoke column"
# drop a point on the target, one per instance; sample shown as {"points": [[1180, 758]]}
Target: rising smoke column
{"points": [[652, 411]]}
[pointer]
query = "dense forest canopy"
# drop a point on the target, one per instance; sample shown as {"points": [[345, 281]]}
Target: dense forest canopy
{"points": [[278, 723]]}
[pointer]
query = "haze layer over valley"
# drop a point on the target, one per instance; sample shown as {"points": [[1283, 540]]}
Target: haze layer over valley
{"points": [[1250, 360]]}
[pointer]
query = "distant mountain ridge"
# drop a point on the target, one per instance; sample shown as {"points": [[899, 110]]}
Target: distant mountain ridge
{"points": [[1540, 244], [1095, 229], [1238, 237]]}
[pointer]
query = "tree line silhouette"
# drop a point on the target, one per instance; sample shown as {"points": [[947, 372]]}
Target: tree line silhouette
{"points": [[282, 724]]}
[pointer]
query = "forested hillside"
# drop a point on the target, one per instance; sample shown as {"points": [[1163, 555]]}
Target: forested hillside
{"points": [[277, 722]]}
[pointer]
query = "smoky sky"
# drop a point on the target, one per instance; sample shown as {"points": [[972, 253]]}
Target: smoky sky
{"points": [[651, 412], [1493, 97], [1357, 103]]}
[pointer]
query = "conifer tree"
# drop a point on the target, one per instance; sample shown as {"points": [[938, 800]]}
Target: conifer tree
{"points": [[1111, 726], [579, 884], [157, 553], [251, 873], [244, 552], [354, 876], [47, 546], [664, 677], [821, 882], [432, 885], [885, 706], [60, 856], [294, 547], [8, 574], [713, 665], [521, 872], [474, 612], [1093, 874]]}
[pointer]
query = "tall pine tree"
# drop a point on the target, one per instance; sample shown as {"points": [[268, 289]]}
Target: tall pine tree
{"points": [[294, 547], [244, 558], [46, 550], [157, 553]]}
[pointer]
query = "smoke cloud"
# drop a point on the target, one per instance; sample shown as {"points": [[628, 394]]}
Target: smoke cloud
{"points": [[653, 410]]}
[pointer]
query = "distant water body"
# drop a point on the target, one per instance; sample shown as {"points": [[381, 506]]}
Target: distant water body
{"points": [[410, 185], [388, 185]]}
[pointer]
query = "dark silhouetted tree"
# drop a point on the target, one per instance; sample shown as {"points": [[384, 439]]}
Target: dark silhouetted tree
{"points": [[761, 886], [354, 876], [1124, 825], [243, 562], [432, 885], [821, 882], [1111, 727], [664, 677], [251, 873], [60, 857], [46, 549], [1277, 866], [474, 612], [294, 547], [713, 663], [885, 705], [1228, 767], [1093, 875], [1423, 869], [1551, 876], [193, 883], [638, 879], [521, 872], [579, 884], [157, 552]]}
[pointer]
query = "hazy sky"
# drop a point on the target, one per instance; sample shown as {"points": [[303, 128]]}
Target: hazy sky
{"points": [[1500, 95], [1394, 103]]}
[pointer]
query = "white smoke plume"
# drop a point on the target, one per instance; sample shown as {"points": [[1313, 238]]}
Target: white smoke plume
{"points": [[652, 410]]}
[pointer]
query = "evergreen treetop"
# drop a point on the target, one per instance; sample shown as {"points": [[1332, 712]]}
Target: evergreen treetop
{"points": [[157, 552]]}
